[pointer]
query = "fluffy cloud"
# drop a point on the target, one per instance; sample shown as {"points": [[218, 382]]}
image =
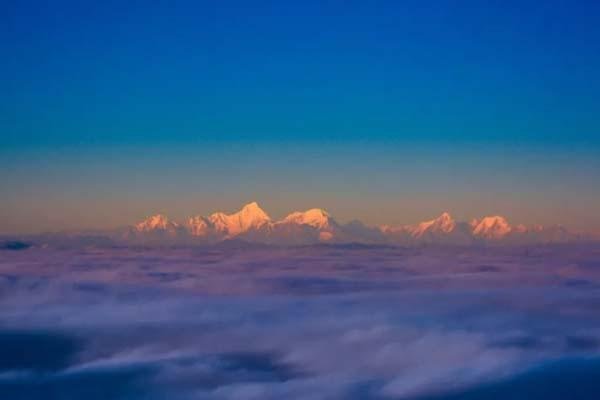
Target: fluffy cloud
{"points": [[311, 323]]}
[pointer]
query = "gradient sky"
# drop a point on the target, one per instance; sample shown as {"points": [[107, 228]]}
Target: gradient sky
{"points": [[385, 111]]}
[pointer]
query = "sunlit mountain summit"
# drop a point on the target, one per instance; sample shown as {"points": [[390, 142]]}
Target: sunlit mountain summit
{"points": [[495, 227], [252, 224]]}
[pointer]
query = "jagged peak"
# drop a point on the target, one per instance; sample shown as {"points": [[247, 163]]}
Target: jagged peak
{"points": [[442, 224], [248, 210], [445, 216], [251, 206], [254, 210], [445, 221], [315, 217], [493, 220], [250, 216], [217, 215], [496, 217], [492, 227], [155, 222]]}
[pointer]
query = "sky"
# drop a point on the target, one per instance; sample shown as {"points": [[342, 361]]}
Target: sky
{"points": [[384, 111]]}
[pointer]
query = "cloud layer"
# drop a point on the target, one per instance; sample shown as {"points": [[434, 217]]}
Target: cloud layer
{"points": [[306, 323]]}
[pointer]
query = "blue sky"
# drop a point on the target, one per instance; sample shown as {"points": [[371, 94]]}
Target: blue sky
{"points": [[386, 111]]}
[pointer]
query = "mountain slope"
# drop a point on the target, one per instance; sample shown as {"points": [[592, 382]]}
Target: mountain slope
{"points": [[313, 225], [494, 227], [250, 217], [443, 225], [441, 230], [252, 224]]}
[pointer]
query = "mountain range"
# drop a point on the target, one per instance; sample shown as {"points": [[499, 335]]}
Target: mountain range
{"points": [[253, 224]]}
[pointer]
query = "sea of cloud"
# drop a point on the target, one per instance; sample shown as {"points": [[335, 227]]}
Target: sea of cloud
{"points": [[329, 322]]}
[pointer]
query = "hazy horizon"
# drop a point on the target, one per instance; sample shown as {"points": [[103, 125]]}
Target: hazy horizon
{"points": [[280, 216]]}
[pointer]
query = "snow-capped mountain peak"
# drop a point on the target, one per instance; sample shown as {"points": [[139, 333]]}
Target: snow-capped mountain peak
{"points": [[445, 222], [252, 212], [252, 223], [251, 216], [154, 223], [493, 227], [315, 217], [442, 224]]}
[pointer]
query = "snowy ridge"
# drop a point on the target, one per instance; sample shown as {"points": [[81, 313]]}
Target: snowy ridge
{"points": [[251, 223]]}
